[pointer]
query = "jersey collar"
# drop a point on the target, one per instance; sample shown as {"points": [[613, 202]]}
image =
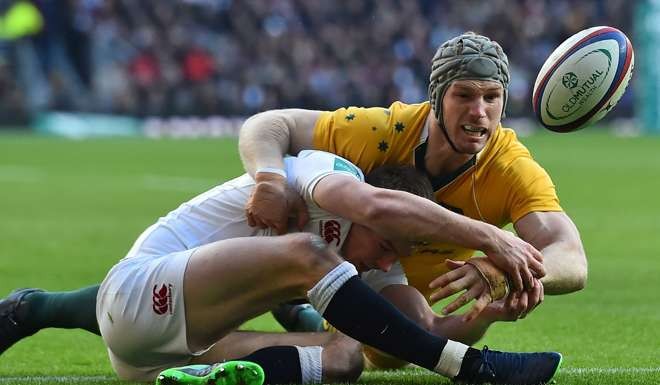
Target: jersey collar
{"points": [[441, 181]]}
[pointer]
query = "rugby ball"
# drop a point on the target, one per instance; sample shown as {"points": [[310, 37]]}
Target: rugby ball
{"points": [[583, 79]]}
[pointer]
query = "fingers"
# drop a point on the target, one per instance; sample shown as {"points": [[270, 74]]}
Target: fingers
{"points": [[536, 264], [451, 288], [453, 265], [528, 278], [254, 221], [463, 299], [521, 306], [280, 227], [302, 216], [535, 298], [479, 305], [517, 280], [446, 279], [250, 218]]}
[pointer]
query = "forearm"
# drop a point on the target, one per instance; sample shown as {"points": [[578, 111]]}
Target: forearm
{"points": [[407, 217], [566, 268]]}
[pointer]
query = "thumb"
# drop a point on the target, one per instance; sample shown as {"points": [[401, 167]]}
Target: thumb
{"points": [[301, 213], [453, 265]]}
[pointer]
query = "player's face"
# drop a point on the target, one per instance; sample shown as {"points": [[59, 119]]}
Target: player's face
{"points": [[367, 250], [472, 109]]}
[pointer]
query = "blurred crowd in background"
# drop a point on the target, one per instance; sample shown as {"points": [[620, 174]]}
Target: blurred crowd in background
{"points": [[238, 57]]}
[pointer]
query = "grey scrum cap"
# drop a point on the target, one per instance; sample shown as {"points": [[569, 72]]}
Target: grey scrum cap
{"points": [[466, 57]]}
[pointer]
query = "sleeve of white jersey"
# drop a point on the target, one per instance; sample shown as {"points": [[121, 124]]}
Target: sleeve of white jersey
{"points": [[310, 166], [378, 279]]}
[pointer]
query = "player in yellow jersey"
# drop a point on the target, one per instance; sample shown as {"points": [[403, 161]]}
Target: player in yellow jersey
{"points": [[478, 169]]}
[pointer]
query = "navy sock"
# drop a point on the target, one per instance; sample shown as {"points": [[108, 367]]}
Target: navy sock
{"points": [[67, 309], [281, 364], [361, 313]]}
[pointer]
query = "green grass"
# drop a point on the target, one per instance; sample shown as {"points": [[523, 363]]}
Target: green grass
{"points": [[70, 209]]}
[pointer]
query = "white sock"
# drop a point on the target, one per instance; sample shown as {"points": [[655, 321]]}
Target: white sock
{"points": [[311, 364], [321, 294], [451, 359]]}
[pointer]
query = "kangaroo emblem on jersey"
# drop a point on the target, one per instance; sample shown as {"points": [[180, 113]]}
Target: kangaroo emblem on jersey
{"points": [[162, 299], [330, 231]]}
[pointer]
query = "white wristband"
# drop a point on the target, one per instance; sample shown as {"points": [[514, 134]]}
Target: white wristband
{"points": [[271, 170]]}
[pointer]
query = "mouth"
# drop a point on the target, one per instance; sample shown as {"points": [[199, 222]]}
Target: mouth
{"points": [[474, 131]]}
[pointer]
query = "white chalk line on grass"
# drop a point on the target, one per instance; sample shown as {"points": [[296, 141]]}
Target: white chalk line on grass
{"points": [[608, 370], [62, 379], [88, 379]]}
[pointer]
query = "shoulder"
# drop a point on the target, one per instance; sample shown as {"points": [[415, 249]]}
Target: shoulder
{"points": [[505, 153], [373, 136], [353, 116]]}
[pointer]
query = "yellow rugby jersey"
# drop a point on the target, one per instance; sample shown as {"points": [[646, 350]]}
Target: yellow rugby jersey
{"points": [[502, 185]]}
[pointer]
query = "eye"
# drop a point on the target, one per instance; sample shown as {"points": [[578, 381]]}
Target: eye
{"points": [[492, 97]]}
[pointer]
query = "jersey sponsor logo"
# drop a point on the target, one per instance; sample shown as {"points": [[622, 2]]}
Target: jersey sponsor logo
{"points": [[342, 165], [162, 299], [330, 231]]}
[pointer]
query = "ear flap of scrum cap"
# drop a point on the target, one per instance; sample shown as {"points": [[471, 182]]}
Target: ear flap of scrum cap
{"points": [[471, 57]]}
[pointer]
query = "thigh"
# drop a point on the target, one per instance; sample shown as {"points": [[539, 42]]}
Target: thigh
{"points": [[231, 281]]}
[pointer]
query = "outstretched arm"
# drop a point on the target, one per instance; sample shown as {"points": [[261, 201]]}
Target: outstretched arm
{"points": [[398, 215], [557, 237]]}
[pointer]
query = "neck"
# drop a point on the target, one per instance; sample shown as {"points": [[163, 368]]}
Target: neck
{"points": [[440, 158]]}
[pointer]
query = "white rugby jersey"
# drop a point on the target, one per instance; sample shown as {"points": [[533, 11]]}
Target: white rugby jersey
{"points": [[219, 213]]}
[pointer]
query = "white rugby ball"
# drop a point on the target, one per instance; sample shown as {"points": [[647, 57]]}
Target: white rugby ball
{"points": [[583, 79]]}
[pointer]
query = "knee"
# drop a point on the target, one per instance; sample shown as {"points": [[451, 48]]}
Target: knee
{"points": [[309, 258], [342, 360]]}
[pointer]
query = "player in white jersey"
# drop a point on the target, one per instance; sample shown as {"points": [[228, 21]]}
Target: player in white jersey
{"points": [[200, 271], [140, 304]]}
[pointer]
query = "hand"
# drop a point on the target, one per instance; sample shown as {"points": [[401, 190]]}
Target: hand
{"points": [[462, 277], [271, 202], [517, 305], [521, 261]]}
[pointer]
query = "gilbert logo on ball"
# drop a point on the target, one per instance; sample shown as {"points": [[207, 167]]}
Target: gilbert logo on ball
{"points": [[583, 79]]}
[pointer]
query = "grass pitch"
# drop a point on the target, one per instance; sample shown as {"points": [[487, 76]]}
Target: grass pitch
{"points": [[71, 209]]}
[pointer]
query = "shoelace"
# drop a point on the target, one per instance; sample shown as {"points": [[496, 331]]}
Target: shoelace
{"points": [[10, 312], [486, 363]]}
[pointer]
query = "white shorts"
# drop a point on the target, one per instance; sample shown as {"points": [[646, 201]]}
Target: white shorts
{"points": [[141, 314]]}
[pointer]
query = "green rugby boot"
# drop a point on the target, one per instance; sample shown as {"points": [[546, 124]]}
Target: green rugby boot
{"points": [[223, 373]]}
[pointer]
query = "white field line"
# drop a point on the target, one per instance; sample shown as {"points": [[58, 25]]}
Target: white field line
{"points": [[88, 379], [608, 370], [62, 379]]}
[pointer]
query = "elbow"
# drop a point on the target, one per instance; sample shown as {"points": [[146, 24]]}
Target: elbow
{"points": [[581, 278], [578, 279], [581, 272], [266, 124], [578, 282]]}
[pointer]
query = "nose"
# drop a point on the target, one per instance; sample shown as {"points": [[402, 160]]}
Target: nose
{"points": [[478, 107]]}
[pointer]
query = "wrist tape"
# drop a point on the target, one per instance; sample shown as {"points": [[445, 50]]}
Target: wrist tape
{"points": [[496, 279]]}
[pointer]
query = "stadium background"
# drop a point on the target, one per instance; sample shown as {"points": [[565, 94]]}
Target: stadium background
{"points": [[230, 59], [119, 72]]}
